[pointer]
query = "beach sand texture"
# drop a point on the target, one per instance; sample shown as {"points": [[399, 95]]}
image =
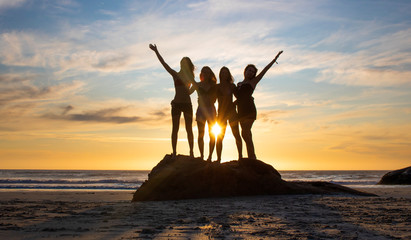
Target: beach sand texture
{"points": [[111, 215]]}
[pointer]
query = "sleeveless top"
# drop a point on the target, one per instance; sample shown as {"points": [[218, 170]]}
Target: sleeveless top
{"points": [[182, 94], [245, 102], [206, 98]]}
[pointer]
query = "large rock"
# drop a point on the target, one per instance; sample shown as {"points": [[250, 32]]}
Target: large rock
{"points": [[187, 178], [401, 176]]}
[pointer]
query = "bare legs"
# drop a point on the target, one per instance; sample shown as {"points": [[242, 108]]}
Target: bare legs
{"points": [[220, 138], [245, 133], [189, 128], [248, 137], [238, 140], [200, 140], [174, 132], [212, 141], [236, 134]]}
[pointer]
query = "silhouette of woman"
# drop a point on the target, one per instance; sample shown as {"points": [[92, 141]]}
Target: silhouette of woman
{"points": [[206, 112], [182, 101], [247, 113], [227, 112]]}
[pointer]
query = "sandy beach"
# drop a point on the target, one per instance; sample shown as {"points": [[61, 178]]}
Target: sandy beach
{"points": [[111, 215]]}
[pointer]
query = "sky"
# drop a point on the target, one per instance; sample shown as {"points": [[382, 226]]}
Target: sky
{"points": [[80, 88]]}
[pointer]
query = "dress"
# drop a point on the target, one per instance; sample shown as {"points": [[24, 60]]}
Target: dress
{"points": [[226, 107], [245, 102], [206, 98]]}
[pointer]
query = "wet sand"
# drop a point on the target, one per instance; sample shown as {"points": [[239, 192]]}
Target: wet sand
{"points": [[111, 215]]}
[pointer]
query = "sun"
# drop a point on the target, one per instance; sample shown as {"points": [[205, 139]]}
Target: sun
{"points": [[216, 129]]}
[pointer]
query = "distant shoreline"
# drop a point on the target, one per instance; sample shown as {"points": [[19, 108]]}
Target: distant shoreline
{"points": [[107, 180]]}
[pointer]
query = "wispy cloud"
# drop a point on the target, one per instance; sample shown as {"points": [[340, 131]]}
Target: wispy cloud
{"points": [[121, 45], [6, 4], [15, 88], [109, 115], [147, 113], [21, 101], [388, 142]]}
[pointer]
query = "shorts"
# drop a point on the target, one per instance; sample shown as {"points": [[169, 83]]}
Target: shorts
{"points": [[228, 114], [206, 114], [178, 108]]}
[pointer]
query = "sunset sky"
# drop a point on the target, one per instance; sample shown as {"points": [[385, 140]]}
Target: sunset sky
{"points": [[80, 88]]}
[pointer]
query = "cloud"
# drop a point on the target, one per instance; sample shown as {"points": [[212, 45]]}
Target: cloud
{"points": [[67, 109], [67, 3], [38, 50], [375, 59], [21, 101], [248, 9], [6, 4], [120, 44], [389, 142], [19, 88], [266, 98], [271, 117], [109, 115], [366, 77], [104, 61], [112, 112], [31, 49]]}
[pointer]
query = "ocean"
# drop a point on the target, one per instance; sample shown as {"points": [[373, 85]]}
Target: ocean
{"points": [[132, 179]]}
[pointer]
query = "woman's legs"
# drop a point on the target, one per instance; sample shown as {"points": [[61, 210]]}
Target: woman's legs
{"points": [[220, 137], [174, 133], [248, 137], [212, 140], [238, 140], [200, 140], [188, 117]]}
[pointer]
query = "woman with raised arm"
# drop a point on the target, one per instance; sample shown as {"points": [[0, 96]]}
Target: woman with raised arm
{"points": [[247, 113], [227, 112], [206, 112], [182, 101]]}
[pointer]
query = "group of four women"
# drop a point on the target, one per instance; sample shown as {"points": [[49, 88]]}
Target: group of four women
{"points": [[242, 111]]}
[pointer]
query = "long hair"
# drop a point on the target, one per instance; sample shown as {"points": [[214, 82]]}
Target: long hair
{"points": [[207, 75], [228, 79], [186, 69], [251, 66]]}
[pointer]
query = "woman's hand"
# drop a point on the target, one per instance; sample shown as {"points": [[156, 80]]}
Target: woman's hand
{"points": [[279, 53], [153, 47], [261, 74]]}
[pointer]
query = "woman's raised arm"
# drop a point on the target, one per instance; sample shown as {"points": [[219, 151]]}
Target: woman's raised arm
{"points": [[261, 74], [160, 58]]}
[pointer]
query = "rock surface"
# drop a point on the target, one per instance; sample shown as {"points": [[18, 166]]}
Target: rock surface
{"points": [[401, 176], [188, 178]]}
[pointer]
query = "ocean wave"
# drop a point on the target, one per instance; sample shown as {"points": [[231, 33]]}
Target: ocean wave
{"points": [[62, 184], [55, 181], [355, 182], [131, 180], [70, 187]]}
